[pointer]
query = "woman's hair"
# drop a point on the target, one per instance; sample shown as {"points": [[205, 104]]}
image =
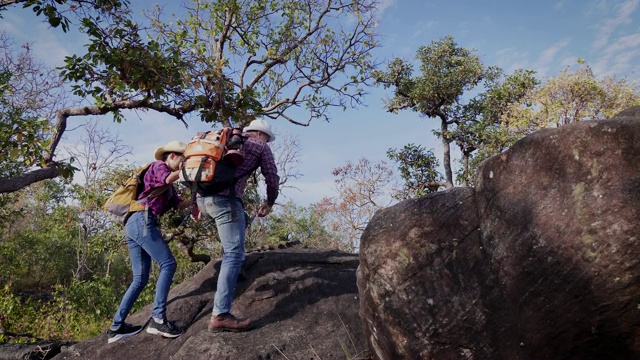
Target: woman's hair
{"points": [[165, 156]]}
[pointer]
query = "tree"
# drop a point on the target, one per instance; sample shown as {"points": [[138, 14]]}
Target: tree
{"points": [[98, 152], [362, 190], [271, 56], [576, 96], [295, 223], [29, 95], [449, 72], [483, 124], [570, 97], [37, 246], [51, 9], [418, 170], [226, 61]]}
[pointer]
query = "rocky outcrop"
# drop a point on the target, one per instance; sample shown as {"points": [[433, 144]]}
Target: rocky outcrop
{"points": [[304, 303], [421, 276], [540, 261]]}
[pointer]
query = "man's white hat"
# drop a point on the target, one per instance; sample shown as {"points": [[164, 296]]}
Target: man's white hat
{"points": [[262, 126], [172, 146]]}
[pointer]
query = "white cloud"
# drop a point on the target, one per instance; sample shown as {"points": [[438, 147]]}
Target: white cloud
{"points": [[511, 59], [559, 5], [47, 44], [617, 58], [569, 61], [423, 27], [607, 27], [384, 5], [549, 55], [547, 60]]}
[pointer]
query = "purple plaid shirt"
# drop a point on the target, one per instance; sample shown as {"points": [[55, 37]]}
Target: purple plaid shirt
{"points": [[257, 154], [154, 178]]}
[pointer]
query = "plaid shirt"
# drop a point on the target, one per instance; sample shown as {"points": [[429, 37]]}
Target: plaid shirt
{"points": [[155, 177], [257, 154]]}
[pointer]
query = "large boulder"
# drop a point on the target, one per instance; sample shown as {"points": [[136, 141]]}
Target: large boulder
{"points": [[421, 275], [540, 261]]}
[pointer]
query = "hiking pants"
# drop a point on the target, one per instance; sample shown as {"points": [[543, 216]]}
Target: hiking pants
{"points": [[144, 246], [228, 213]]}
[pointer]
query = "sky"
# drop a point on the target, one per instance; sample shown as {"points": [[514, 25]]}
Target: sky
{"points": [[546, 36]]}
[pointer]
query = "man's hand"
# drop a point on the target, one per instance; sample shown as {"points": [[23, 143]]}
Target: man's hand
{"points": [[195, 213], [173, 176], [264, 210]]}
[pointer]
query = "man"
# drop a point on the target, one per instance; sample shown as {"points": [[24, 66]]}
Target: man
{"points": [[227, 209], [145, 243]]}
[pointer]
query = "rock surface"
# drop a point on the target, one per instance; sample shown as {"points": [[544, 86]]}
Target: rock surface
{"points": [[304, 303], [540, 261]]}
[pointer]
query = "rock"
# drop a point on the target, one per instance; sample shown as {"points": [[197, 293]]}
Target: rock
{"points": [[421, 275], [304, 303], [39, 350], [540, 261], [559, 217]]}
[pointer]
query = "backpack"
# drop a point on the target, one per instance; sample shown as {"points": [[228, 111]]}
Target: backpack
{"points": [[124, 201], [211, 159]]}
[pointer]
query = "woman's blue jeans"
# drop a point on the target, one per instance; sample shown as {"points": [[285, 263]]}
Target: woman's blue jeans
{"points": [[144, 246], [228, 213]]}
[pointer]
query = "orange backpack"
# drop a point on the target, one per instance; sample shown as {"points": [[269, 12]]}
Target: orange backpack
{"points": [[211, 158]]}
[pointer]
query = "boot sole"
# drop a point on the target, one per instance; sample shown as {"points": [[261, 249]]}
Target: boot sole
{"points": [[153, 331], [219, 330]]}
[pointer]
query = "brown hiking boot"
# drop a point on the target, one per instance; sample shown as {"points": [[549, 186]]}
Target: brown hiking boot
{"points": [[228, 322]]}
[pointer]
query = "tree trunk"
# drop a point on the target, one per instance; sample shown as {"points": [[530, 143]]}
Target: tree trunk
{"points": [[446, 160], [465, 161]]}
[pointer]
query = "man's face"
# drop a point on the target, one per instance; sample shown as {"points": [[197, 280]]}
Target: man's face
{"points": [[262, 136]]}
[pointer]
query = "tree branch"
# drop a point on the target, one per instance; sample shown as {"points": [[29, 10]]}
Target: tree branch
{"points": [[4, 3], [16, 183]]}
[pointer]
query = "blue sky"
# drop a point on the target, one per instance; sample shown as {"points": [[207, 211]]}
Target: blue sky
{"points": [[545, 36]]}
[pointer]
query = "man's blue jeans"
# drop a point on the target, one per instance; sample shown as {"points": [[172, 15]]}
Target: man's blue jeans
{"points": [[144, 246], [228, 213]]}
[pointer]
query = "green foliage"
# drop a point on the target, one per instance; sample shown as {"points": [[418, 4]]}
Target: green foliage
{"points": [[517, 105], [23, 137], [227, 59], [418, 170], [296, 223], [29, 91], [120, 64], [449, 72], [53, 317], [43, 232], [50, 9], [578, 95]]}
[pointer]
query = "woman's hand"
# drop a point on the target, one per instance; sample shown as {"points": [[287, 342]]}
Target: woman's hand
{"points": [[264, 210]]}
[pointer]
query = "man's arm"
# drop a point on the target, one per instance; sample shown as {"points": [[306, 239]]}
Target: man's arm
{"points": [[272, 180]]}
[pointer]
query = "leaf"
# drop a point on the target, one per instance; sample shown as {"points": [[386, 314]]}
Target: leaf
{"points": [[14, 153]]}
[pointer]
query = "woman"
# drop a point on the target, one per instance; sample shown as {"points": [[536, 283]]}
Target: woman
{"points": [[146, 242]]}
